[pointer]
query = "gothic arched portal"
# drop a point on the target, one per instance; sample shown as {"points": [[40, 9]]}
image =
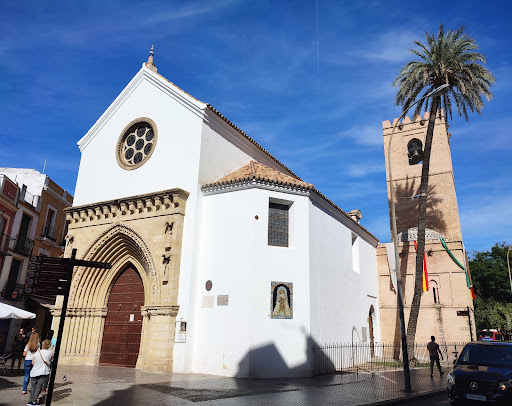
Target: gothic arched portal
{"points": [[123, 324]]}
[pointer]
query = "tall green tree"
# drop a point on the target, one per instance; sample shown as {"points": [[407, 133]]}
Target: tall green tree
{"points": [[489, 273], [446, 58]]}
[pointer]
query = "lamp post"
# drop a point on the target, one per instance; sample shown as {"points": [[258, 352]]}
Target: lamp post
{"points": [[407, 377]]}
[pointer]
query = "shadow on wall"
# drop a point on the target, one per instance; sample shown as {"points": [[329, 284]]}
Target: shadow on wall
{"points": [[356, 338], [407, 207], [404, 262], [267, 362]]}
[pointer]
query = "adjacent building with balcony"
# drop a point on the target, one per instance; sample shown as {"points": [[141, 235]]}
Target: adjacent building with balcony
{"points": [[33, 223]]}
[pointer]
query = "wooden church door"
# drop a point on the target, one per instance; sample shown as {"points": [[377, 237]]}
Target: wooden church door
{"points": [[123, 324]]}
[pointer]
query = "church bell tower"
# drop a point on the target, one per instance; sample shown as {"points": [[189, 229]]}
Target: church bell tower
{"points": [[448, 293]]}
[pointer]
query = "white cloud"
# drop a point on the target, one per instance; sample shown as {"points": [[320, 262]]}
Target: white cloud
{"points": [[487, 221], [370, 135], [391, 47], [362, 169]]}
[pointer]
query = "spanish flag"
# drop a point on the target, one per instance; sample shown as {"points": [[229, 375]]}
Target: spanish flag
{"points": [[425, 274]]}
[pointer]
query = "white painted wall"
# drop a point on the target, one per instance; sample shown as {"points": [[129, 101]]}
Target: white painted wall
{"points": [[241, 339], [340, 297], [33, 179], [175, 159]]}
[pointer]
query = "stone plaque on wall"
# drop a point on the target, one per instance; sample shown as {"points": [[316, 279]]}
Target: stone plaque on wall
{"points": [[281, 300], [208, 301], [222, 300]]}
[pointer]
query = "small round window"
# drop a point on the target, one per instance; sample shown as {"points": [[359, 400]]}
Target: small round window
{"points": [[136, 143]]}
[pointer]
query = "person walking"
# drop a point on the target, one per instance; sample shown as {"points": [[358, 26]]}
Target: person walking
{"points": [[29, 352], [40, 371], [435, 352], [17, 348]]}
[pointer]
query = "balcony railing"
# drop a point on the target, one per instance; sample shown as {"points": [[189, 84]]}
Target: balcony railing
{"points": [[13, 292], [50, 233], [24, 246], [6, 243]]}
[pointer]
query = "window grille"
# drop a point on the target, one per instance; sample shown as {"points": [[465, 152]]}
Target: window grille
{"points": [[278, 224]]}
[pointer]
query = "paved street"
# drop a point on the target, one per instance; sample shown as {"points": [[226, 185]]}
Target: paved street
{"points": [[111, 386], [441, 400]]}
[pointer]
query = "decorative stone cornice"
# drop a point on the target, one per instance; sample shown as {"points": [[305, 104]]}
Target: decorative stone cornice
{"points": [[166, 202], [80, 312], [163, 310]]}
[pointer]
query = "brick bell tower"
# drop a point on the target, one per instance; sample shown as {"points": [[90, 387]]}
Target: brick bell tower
{"points": [[448, 292]]}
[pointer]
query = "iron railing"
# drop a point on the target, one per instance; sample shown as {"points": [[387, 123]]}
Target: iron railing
{"points": [[24, 246], [50, 233], [371, 357], [6, 243], [13, 292]]}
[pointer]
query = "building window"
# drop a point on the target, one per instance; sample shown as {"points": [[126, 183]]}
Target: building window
{"points": [[49, 230], [415, 151], [12, 280], [136, 143], [278, 224], [435, 291], [355, 253]]}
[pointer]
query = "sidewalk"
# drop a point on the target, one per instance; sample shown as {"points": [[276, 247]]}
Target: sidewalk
{"points": [[112, 386]]}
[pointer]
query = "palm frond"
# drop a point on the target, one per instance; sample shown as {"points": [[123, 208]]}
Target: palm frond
{"points": [[446, 57]]}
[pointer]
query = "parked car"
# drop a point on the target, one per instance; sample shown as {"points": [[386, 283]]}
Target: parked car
{"points": [[490, 335], [482, 373]]}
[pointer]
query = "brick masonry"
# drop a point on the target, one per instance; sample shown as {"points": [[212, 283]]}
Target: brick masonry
{"points": [[439, 319]]}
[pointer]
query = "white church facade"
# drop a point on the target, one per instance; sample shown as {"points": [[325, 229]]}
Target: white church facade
{"points": [[223, 260]]}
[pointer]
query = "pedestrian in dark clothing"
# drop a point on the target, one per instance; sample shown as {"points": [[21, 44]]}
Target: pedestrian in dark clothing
{"points": [[433, 349], [17, 349], [34, 330]]}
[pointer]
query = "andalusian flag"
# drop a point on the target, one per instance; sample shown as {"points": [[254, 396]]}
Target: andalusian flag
{"points": [[425, 274]]}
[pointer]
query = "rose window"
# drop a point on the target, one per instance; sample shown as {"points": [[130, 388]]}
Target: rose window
{"points": [[136, 145]]}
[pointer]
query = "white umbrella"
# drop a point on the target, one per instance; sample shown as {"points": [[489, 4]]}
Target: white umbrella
{"points": [[11, 312]]}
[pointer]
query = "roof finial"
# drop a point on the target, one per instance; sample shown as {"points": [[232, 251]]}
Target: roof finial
{"points": [[149, 64]]}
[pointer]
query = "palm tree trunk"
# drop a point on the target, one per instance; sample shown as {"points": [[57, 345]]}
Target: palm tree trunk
{"points": [[422, 219]]}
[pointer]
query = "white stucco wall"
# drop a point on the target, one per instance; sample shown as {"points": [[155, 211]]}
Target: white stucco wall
{"points": [[175, 159], [241, 339], [340, 297]]}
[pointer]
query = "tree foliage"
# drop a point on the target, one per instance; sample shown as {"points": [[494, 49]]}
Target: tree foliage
{"points": [[448, 58], [489, 273]]}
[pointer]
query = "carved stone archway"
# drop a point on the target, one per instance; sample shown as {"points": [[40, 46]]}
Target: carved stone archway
{"points": [[145, 231]]}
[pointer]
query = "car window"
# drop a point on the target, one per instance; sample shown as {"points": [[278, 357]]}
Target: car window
{"points": [[499, 355]]}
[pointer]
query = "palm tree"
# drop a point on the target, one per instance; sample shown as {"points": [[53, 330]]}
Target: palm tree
{"points": [[450, 58]]}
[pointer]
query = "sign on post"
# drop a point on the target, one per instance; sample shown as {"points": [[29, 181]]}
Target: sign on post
{"points": [[48, 276]]}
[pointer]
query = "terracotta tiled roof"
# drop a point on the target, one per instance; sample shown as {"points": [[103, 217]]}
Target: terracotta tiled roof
{"points": [[257, 171]]}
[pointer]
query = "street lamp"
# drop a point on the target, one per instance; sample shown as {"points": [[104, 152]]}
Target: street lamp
{"points": [[407, 377]]}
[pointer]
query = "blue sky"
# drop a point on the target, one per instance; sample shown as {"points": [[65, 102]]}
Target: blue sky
{"points": [[309, 80]]}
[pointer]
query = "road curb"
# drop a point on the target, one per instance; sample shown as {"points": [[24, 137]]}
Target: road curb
{"points": [[419, 396]]}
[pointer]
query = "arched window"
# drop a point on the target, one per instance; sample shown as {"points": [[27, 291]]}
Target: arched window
{"points": [[415, 151], [435, 291]]}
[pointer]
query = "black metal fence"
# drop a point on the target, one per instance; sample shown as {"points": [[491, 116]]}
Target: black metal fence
{"points": [[375, 357]]}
